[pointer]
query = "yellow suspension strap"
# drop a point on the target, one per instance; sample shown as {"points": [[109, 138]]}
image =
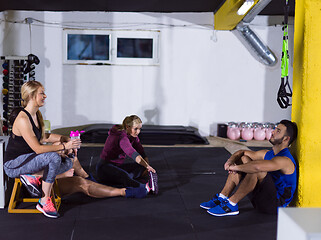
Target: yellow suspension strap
{"points": [[285, 92]]}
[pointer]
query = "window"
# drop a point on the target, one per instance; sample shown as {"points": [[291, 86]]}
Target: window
{"points": [[88, 47], [129, 47], [85, 46], [134, 48]]}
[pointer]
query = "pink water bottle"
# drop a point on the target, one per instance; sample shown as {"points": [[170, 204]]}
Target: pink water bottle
{"points": [[75, 135]]}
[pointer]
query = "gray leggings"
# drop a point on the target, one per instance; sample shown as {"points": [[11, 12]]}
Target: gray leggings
{"points": [[50, 162]]}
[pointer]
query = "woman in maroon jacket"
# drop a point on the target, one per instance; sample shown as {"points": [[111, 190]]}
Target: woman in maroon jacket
{"points": [[123, 159]]}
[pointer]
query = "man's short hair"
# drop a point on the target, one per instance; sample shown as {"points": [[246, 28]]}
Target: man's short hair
{"points": [[291, 129]]}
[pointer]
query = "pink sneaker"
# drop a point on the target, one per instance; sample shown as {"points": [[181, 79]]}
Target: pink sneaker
{"points": [[32, 183], [47, 208], [152, 184]]}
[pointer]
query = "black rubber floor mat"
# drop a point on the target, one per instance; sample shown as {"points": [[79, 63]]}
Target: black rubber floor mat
{"points": [[187, 177]]}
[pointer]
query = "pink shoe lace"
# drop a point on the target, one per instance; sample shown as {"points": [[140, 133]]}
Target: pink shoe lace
{"points": [[34, 180], [48, 206]]}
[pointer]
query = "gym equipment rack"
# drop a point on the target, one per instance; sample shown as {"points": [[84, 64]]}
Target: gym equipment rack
{"points": [[14, 76]]}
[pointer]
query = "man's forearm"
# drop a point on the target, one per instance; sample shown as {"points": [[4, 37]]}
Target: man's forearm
{"points": [[250, 167]]}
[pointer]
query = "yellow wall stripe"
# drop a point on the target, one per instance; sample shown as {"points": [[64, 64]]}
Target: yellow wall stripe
{"points": [[306, 109]]}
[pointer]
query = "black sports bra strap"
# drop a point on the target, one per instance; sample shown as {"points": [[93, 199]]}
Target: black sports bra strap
{"points": [[30, 118], [36, 130]]}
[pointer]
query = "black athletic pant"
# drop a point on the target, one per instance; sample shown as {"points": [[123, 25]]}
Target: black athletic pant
{"points": [[125, 175]]}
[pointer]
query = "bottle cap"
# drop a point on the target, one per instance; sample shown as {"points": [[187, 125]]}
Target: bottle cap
{"points": [[74, 134]]}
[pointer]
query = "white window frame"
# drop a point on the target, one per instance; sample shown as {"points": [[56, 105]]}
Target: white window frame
{"points": [[113, 36]]}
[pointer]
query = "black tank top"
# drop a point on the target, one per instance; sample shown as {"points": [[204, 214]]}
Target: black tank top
{"points": [[17, 145]]}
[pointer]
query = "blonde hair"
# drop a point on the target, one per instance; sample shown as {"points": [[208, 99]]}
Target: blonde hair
{"points": [[129, 121], [28, 91]]}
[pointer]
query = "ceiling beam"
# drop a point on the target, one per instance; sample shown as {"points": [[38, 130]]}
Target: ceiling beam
{"points": [[226, 17]]}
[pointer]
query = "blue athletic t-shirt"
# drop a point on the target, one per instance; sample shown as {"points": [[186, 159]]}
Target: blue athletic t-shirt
{"points": [[285, 183]]}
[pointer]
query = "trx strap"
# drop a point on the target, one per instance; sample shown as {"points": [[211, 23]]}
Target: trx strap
{"points": [[285, 92]]}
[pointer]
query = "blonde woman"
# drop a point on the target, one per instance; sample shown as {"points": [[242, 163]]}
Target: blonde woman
{"points": [[123, 159], [25, 153]]}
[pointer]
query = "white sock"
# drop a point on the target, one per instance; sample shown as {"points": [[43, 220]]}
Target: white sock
{"points": [[232, 203], [222, 196]]}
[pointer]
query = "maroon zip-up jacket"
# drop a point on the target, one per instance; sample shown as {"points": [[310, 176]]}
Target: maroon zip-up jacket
{"points": [[119, 144]]}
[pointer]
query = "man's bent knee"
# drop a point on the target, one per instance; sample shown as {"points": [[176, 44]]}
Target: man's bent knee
{"points": [[261, 176], [245, 159]]}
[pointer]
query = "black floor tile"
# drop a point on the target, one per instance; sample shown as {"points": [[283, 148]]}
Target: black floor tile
{"points": [[140, 226], [187, 177]]}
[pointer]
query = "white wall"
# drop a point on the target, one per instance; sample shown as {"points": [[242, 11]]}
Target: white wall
{"points": [[199, 82]]}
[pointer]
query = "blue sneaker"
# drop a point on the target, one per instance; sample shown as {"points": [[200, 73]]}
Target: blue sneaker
{"points": [[212, 203], [140, 192], [224, 209]]}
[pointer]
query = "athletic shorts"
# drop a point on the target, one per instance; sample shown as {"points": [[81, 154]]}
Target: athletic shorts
{"points": [[264, 196]]}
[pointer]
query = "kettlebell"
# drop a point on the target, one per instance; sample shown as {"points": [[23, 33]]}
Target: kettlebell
{"points": [[259, 132], [269, 129], [233, 131], [247, 132]]}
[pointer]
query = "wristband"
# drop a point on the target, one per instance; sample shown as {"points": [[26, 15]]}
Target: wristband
{"points": [[63, 146]]}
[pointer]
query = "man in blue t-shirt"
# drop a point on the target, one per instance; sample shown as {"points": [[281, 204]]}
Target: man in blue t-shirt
{"points": [[269, 178]]}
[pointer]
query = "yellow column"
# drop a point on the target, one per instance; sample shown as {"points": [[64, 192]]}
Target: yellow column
{"points": [[306, 109]]}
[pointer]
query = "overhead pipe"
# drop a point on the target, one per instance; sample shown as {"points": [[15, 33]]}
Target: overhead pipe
{"points": [[252, 42]]}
